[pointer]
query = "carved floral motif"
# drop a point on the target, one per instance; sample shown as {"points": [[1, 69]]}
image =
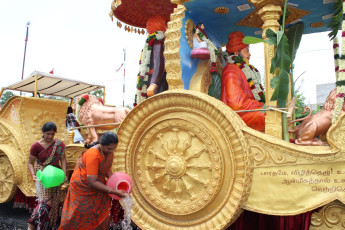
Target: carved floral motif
{"points": [[268, 152], [331, 216], [183, 177], [263, 155]]}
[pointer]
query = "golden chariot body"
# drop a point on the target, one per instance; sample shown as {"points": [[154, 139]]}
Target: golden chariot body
{"points": [[194, 163]]}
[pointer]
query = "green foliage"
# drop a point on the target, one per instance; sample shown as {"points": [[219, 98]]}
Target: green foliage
{"points": [[282, 62], [285, 14], [280, 21], [58, 98], [274, 82], [300, 103], [294, 36], [97, 93], [336, 19], [287, 45], [252, 40], [4, 98], [271, 37]]}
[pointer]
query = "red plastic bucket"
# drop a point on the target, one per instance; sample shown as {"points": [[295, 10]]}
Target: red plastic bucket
{"points": [[120, 181]]}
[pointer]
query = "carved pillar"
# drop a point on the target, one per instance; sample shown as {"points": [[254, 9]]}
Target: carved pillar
{"points": [[270, 15], [172, 47]]}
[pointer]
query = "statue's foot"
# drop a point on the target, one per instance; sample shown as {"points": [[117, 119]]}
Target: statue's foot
{"points": [[313, 142]]}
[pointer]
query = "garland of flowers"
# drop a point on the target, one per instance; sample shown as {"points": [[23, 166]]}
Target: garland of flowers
{"points": [[339, 100], [144, 66], [336, 56], [210, 46], [81, 101], [252, 75]]}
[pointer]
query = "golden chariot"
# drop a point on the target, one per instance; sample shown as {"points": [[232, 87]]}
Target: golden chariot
{"points": [[21, 119], [193, 161]]}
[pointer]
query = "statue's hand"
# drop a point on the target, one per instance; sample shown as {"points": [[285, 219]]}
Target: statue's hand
{"points": [[150, 91]]}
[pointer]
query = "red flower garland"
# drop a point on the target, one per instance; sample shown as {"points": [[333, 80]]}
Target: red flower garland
{"points": [[83, 98]]}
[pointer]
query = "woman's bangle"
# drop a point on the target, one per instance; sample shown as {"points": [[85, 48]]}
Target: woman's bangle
{"points": [[109, 190]]}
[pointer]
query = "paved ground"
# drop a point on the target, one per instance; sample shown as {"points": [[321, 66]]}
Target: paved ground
{"points": [[13, 218]]}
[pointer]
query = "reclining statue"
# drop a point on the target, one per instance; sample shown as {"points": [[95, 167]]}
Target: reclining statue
{"points": [[91, 111], [317, 124]]}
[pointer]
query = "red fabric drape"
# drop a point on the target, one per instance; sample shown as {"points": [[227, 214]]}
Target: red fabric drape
{"points": [[255, 221], [22, 201]]}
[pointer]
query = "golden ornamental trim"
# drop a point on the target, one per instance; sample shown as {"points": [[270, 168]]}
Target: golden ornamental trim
{"points": [[172, 47], [317, 24], [221, 10], [254, 20], [331, 216], [189, 32], [261, 3], [336, 134], [179, 2], [269, 151]]}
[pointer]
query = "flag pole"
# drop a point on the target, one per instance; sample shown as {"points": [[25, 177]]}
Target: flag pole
{"points": [[26, 41], [124, 76]]}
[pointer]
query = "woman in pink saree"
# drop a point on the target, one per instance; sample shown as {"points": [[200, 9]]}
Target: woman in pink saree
{"points": [[47, 151]]}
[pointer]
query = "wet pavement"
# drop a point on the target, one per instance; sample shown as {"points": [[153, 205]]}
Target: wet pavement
{"points": [[13, 218]]}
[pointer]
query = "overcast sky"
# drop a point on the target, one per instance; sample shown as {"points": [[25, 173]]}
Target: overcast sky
{"points": [[79, 40], [76, 38]]}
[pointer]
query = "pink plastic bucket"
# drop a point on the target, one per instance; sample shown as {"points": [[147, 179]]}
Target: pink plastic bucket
{"points": [[120, 181]]}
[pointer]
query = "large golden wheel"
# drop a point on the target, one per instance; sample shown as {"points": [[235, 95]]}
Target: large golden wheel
{"points": [[188, 159], [7, 186]]}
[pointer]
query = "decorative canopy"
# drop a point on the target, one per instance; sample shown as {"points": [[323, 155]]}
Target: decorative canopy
{"points": [[50, 84], [221, 17], [243, 16], [136, 12]]}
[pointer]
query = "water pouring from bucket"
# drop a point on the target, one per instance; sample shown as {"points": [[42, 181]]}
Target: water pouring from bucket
{"points": [[120, 181], [51, 176]]}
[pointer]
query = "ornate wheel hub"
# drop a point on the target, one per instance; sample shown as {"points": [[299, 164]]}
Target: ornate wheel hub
{"points": [[181, 163], [175, 167]]}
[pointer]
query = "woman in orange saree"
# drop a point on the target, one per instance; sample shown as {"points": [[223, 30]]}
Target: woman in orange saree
{"points": [[87, 204], [47, 151]]}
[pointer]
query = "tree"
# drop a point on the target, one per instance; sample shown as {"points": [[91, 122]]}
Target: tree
{"points": [[7, 95], [300, 103], [98, 93], [58, 98]]}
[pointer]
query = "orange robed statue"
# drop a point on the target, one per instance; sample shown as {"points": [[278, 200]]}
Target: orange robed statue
{"points": [[241, 83]]}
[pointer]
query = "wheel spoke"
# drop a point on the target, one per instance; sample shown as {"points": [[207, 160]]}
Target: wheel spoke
{"points": [[6, 179]]}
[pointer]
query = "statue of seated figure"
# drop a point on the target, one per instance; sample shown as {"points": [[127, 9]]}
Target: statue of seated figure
{"points": [[200, 50], [241, 83]]}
